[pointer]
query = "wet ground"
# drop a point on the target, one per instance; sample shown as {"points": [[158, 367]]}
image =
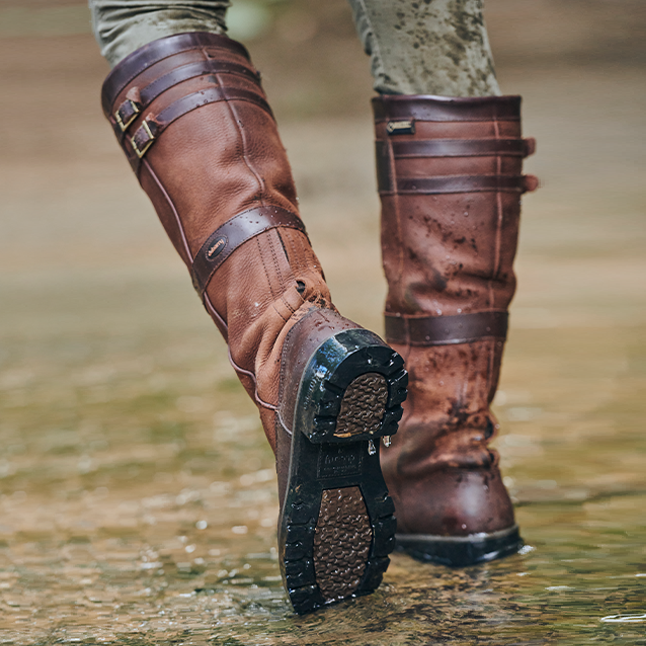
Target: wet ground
{"points": [[138, 498]]}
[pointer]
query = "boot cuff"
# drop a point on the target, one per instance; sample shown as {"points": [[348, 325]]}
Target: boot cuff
{"points": [[395, 107], [131, 66]]}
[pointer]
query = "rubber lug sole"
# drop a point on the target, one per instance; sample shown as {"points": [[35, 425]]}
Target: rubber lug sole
{"points": [[337, 525], [461, 551]]}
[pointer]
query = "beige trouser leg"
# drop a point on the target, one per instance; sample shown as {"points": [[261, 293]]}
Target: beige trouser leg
{"points": [[424, 47], [436, 47], [123, 26]]}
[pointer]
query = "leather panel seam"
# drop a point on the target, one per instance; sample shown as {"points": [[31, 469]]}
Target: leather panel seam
{"points": [[445, 330]]}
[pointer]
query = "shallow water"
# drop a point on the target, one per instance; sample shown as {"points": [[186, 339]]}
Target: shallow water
{"points": [[137, 494], [139, 499]]}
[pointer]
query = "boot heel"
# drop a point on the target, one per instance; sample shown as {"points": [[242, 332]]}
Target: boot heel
{"points": [[337, 524], [351, 390]]}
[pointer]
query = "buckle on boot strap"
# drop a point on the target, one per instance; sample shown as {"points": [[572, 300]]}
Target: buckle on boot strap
{"points": [[142, 139], [153, 126], [126, 113]]}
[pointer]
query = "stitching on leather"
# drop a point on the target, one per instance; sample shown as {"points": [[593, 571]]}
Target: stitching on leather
{"points": [[172, 205], [301, 253], [282, 280], [211, 309], [288, 305], [497, 251], [273, 305], [250, 374], [292, 255], [283, 363], [396, 212], [264, 266], [243, 144], [474, 152], [282, 244], [292, 258]]}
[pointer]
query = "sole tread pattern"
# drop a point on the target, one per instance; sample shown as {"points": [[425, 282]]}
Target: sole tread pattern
{"points": [[342, 541], [337, 523], [363, 406]]}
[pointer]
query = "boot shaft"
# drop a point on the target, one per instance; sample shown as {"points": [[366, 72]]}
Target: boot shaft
{"points": [[187, 109], [449, 177], [450, 183]]}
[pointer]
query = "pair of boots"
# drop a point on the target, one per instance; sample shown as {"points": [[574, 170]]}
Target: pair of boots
{"points": [[194, 123]]}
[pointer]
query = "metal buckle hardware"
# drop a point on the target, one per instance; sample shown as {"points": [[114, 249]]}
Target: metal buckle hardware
{"points": [[141, 152], [401, 127], [120, 120]]}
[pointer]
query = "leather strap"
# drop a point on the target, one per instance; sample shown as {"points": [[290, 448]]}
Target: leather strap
{"points": [[462, 148], [152, 127], [436, 108], [128, 110], [235, 232], [457, 184], [384, 173], [446, 148], [444, 330], [144, 57]]}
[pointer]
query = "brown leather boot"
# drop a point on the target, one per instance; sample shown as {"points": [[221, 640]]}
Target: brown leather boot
{"points": [[449, 175], [193, 120]]}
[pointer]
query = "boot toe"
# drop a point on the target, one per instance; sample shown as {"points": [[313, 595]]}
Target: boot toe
{"points": [[457, 517]]}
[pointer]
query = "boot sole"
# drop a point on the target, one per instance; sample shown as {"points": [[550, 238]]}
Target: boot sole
{"points": [[337, 525], [461, 551]]}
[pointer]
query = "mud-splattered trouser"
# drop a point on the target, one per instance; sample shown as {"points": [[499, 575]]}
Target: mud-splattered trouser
{"points": [[415, 46]]}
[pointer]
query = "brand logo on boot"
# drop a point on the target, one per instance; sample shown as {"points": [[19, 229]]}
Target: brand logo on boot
{"points": [[338, 460], [216, 248]]}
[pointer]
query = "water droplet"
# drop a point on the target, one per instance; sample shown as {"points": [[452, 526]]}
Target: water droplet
{"points": [[624, 619]]}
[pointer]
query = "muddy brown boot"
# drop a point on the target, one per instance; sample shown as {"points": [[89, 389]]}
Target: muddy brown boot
{"points": [[193, 120], [449, 176]]}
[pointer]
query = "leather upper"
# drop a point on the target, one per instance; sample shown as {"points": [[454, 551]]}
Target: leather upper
{"points": [[192, 117], [450, 182]]}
